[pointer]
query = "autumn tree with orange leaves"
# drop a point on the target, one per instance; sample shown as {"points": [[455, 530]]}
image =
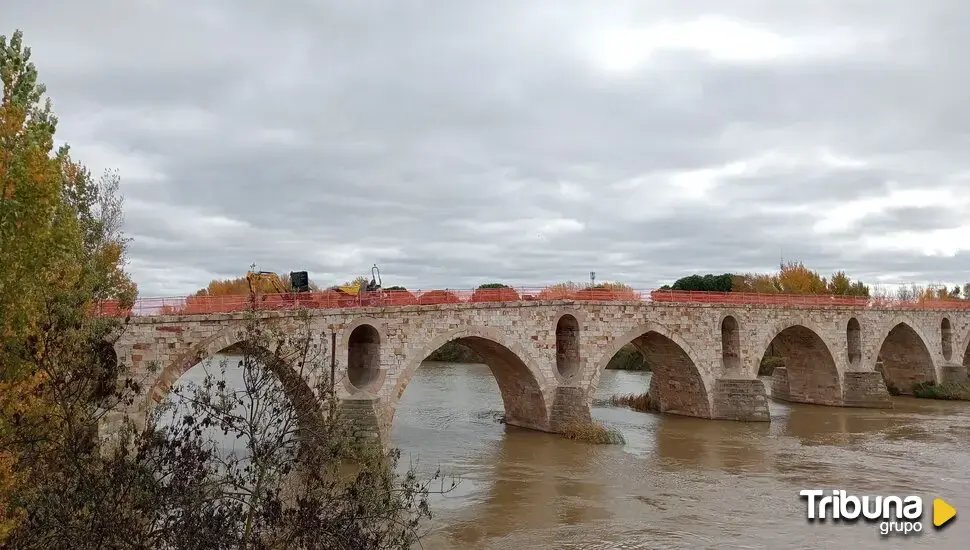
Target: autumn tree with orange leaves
{"points": [[791, 278], [61, 485], [61, 252]]}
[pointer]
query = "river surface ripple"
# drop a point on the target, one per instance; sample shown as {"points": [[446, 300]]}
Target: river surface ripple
{"points": [[677, 482]]}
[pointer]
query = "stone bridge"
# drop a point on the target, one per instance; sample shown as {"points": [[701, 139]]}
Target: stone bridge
{"points": [[547, 356]]}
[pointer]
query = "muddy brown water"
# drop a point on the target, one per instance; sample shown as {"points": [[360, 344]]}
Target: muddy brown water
{"points": [[677, 482]]}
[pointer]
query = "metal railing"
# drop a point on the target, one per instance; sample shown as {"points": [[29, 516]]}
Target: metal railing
{"points": [[332, 299]]}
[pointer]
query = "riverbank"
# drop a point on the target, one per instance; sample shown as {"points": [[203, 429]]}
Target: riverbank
{"points": [[948, 391]]}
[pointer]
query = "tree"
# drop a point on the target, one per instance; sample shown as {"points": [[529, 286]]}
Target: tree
{"points": [[62, 251], [795, 278], [172, 486], [839, 284], [493, 285], [759, 283], [60, 486], [705, 283], [560, 291]]}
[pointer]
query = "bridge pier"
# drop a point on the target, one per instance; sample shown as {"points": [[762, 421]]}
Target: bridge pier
{"points": [[954, 374], [740, 399], [865, 389], [569, 406], [859, 389], [368, 419]]}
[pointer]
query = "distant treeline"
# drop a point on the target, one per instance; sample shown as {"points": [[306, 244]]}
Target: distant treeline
{"points": [[792, 278], [795, 278], [454, 352], [629, 358]]}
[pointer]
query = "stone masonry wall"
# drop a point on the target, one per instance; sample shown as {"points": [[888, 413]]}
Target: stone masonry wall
{"points": [[741, 399], [865, 389], [522, 337]]}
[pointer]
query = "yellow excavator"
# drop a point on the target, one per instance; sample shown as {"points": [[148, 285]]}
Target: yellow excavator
{"points": [[299, 282], [257, 277]]}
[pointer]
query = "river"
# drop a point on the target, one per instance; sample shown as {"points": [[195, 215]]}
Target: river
{"points": [[677, 482]]}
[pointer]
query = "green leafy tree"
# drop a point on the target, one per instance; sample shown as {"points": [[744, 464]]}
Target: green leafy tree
{"points": [[493, 285], [705, 283]]}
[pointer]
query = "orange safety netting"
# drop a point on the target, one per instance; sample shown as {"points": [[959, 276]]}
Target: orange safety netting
{"points": [[336, 299]]}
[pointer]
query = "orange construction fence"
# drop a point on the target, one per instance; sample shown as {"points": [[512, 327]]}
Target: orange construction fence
{"points": [[332, 299]]}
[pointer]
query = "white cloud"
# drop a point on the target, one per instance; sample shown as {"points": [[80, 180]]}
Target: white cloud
{"points": [[721, 38]]}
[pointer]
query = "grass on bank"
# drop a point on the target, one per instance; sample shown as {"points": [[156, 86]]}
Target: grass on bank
{"points": [[946, 390], [593, 432], [638, 402]]}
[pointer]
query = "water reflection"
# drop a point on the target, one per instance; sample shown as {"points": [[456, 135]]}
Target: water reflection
{"points": [[678, 482]]}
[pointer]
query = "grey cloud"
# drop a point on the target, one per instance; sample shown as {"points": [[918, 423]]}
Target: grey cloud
{"points": [[456, 143]]}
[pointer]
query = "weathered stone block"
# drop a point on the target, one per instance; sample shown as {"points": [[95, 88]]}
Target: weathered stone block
{"points": [[865, 389], [741, 399], [569, 406], [954, 374]]}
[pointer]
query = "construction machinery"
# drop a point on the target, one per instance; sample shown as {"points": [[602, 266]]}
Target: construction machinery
{"points": [[299, 283], [369, 293], [257, 277]]}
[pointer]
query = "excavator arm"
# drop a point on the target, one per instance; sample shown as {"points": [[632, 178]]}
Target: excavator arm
{"points": [[255, 277]]}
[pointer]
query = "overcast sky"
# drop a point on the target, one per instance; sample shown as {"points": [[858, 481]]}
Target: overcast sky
{"points": [[459, 142]]}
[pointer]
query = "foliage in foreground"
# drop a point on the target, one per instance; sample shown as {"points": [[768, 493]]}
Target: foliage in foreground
{"points": [[944, 390], [169, 486], [593, 432]]}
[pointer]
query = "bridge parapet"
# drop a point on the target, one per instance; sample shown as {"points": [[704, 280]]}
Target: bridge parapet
{"points": [[333, 299]]}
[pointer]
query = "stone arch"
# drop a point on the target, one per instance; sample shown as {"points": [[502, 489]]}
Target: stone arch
{"points": [[906, 359], [520, 382], [678, 385], [296, 386], [567, 346], [730, 344], [946, 338], [811, 373], [853, 341]]}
